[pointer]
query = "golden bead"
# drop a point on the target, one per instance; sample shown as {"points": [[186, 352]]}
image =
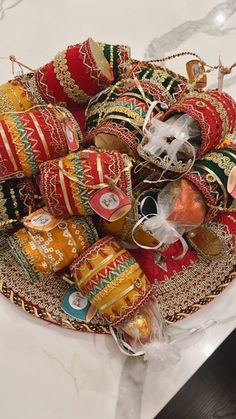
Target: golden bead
{"points": [[139, 327]]}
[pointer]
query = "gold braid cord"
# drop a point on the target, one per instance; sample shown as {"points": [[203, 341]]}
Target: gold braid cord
{"points": [[43, 314], [44, 300], [203, 301], [80, 326]]}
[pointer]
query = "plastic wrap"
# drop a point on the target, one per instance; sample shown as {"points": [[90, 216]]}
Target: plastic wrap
{"points": [[175, 140], [146, 334], [179, 208]]}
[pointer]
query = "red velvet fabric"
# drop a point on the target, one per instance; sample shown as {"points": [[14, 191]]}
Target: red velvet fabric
{"points": [[81, 68]]}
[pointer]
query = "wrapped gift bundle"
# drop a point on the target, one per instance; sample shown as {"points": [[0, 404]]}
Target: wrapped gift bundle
{"points": [[118, 188], [27, 139], [196, 124], [44, 252], [112, 280], [121, 124], [67, 184], [72, 77]]}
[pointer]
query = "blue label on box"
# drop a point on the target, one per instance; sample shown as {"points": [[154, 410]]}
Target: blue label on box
{"points": [[77, 306]]}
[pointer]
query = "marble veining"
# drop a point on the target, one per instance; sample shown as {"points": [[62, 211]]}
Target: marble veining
{"points": [[131, 388], [211, 24], [228, 82], [68, 372], [7, 5]]}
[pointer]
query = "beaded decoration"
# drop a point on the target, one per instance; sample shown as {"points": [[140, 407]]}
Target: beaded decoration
{"points": [[41, 253], [112, 280]]}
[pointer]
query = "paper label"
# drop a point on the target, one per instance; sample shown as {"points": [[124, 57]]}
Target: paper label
{"points": [[41, 220], [71, 135], [195, 69], [77, 306], [110, 203], [109, 200]]}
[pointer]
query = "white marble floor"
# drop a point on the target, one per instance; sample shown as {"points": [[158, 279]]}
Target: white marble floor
{"points": [[51, 373]]}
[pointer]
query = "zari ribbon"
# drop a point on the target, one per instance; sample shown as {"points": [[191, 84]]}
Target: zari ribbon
{"points": [[111, 182]]}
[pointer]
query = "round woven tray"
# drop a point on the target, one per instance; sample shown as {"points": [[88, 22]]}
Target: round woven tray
{"points": [[183, 294], [81, 326]]}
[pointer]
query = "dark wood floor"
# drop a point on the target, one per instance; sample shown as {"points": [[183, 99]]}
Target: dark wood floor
{"points": [[211, 392]]}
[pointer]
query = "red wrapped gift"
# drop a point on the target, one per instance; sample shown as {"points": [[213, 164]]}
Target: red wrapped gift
{"points": [[75, 75], [29, 138], [214, 111], [68, 184]]}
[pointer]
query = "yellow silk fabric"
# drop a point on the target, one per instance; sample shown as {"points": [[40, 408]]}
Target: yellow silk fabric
{"points": [[13, 99], [51, 251], [122, 291]]}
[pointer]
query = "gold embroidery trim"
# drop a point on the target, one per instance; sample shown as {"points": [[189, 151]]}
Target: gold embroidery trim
{"points": [[66, 81], [113, 284], [128, 112], [76, 193], [202, 302], [137, 96], [222, 161], [17, 98], [201, 166], [8, 148], [123, 119], [41, 135], [117, 297], [218, 106], [19, 146], [230, 154], [64, 191], [99, 265], [4, 219], [6, 104]]}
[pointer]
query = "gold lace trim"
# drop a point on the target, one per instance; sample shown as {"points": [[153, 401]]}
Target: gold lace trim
{"points": [[222, 161], [5, 103], [66, 81]]}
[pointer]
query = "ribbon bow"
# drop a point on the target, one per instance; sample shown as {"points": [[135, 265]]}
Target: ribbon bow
{"points": [[169, 137], [161, 228]]}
